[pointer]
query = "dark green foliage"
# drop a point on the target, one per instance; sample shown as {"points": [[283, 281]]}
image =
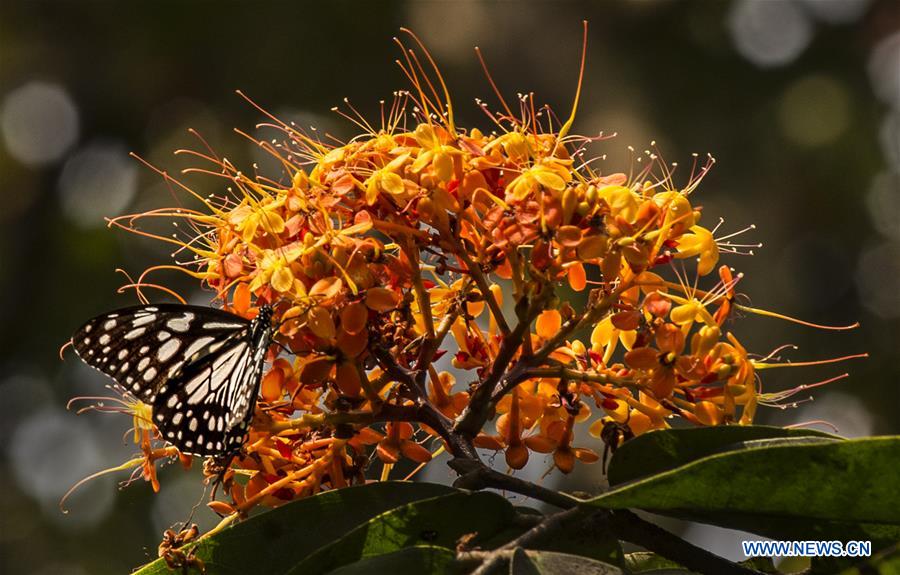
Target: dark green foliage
{"points": [[784, 484]]}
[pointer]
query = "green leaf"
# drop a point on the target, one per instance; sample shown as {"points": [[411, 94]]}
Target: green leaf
{"points": [[644, 561], [551, 563], [440, 521], [274, 541], [417, 560], [594, 541], [834, 490], [665, 449]]}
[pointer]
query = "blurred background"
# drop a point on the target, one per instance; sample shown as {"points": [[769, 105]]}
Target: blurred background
{"points": [[798, 100]]}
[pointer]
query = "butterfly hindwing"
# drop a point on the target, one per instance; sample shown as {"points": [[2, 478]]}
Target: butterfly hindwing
{"points": [[206, 407]]}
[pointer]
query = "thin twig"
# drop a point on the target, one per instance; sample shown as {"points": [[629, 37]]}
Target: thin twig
{"points": [[626, 525], [412, 254], [479, 408], [545, 528], [426, 412], [477, 275], [475, 475]]}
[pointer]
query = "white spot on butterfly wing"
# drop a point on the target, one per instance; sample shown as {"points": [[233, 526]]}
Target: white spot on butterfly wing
{"points": [[223, 367], [196, 346], [109, 324], [198, 387], [136, 333], [150, 374], [143, 320], [174, 369], [104, 339], [180, 324], [167, 350], [221, 325]]}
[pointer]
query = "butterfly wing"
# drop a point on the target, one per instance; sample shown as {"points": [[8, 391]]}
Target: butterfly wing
{"points": [[142, 347], [199, 367], [207, 407]]}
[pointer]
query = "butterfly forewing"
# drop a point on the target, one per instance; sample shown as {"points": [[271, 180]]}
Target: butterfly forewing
{"points": [[199, 368]]}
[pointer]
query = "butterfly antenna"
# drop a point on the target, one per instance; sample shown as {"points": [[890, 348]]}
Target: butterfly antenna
{"points": [[63, 348]]}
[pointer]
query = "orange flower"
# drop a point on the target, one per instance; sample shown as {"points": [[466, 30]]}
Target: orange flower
{"points": [[398, 443]]}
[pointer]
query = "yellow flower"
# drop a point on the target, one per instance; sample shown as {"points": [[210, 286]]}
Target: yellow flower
{"points": [[551, 174], [249, 220], [699, 243]]}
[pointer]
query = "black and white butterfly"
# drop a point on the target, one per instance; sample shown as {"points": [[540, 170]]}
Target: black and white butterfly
{"points": [[198, 367]]}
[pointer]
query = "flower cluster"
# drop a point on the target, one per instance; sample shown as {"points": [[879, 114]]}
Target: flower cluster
{"points": [[428, 280]]}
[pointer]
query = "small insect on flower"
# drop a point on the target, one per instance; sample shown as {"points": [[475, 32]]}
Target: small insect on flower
{"points": [[198, 367]]}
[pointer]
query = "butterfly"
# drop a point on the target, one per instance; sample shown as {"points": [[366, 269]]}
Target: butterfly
{"points": [[198, 367]]}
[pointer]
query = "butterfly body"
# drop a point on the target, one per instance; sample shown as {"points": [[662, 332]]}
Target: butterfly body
{"points": [[198, 367]]}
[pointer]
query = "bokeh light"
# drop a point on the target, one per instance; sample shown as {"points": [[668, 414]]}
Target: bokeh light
{"points": [[769, 33], [22, 393], [889, 136], [39, 121], [97, 181], [471, 22], [884, 70], [836, 11], [50, 451], [814, 111], [878, 279], [883, 201]]}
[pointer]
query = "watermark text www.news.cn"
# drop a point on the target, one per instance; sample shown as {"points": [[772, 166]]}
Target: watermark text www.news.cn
{"points": [[807, 548]]}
